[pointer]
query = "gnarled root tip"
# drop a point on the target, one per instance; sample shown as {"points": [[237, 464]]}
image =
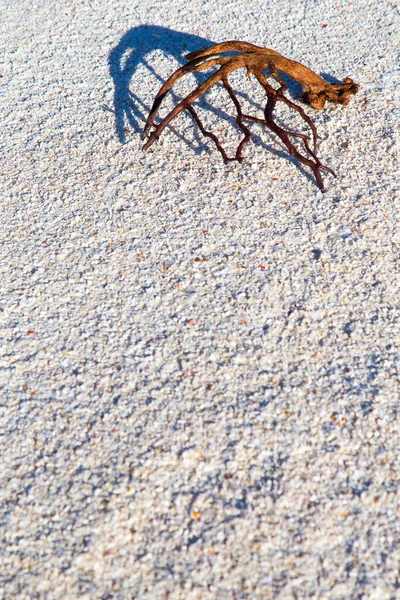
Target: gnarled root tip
{"points": [[333, 92]]}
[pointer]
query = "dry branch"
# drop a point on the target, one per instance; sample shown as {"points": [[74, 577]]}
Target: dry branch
{"points": [[256, 60]]}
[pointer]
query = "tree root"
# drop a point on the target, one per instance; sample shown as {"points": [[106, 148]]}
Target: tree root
{"points": [[316, 91]]}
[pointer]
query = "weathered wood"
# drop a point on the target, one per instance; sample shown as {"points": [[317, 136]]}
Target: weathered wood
{"points": [[257, 60]]}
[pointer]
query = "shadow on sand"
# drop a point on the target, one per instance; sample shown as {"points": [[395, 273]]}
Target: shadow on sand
{"points": [[131, 52]]}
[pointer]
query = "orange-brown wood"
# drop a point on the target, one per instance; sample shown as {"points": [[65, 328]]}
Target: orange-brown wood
{"points": [[257, 60]]}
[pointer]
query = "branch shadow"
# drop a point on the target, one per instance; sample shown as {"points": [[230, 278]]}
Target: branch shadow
{"points": [[130, 53], [330, 78]]}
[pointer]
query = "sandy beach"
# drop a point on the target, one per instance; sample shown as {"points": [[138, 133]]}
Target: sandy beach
{"points": [[200, 394]]}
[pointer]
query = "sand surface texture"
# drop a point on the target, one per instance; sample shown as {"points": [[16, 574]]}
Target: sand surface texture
{"points": [[200, 362]]}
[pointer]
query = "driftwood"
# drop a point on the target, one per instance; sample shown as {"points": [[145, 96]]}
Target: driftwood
{"points": [[256, 60]]}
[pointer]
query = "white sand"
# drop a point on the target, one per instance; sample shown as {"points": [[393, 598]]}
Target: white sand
{"points": [[214, 429]]}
